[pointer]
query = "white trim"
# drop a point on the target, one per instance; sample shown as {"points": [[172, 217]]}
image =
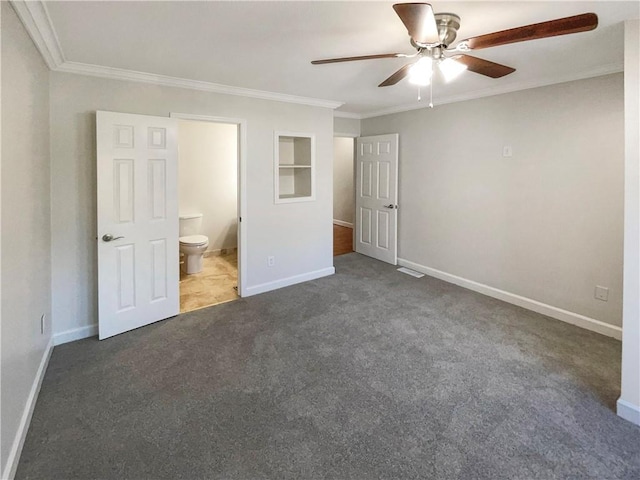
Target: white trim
{"points": [[243, 261], [27, 413], [155, 79], [285, 282], [342, 223], [341, 114], [499, 90], [628, 411], [207, 118], [524, 302], [75, 334], [35, 18]]}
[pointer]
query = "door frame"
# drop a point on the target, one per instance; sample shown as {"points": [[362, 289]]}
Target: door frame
{"points": [[355, 137], [242, 186]]}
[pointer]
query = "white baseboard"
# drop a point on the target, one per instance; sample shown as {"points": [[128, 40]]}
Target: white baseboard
{"points": [[75, 334], [524, 302], [342, 224], [628, 411], [18, 442], [286, 282]]}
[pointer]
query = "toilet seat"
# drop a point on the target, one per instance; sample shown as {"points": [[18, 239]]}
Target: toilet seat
{"points": [[193, 240]]}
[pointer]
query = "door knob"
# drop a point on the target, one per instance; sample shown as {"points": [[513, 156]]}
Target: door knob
{"points": [[391, 205], [107, 237]]}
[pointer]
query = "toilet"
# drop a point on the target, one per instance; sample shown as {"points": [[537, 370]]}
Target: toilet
{"points": [[192, 244]]}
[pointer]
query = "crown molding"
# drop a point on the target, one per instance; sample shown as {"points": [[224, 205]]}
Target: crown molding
{"points": [[499, 90], [35, 18], [341, 114], [133, 76]]}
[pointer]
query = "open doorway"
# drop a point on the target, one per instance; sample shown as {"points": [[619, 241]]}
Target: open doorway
{"points": [[208, 163], [343, 194]]}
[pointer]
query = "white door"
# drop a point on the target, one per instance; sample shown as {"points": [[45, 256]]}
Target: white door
{"points": [[377, 197], [138, 270]]}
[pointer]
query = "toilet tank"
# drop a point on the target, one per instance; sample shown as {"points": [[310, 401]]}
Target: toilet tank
{"points": [[190, 224]]}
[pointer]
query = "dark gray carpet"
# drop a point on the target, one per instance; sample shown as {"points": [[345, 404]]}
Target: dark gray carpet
{"points": [[366, 374]]}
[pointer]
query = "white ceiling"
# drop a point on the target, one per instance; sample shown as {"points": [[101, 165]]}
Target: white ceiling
{"points": [[268, 45]]}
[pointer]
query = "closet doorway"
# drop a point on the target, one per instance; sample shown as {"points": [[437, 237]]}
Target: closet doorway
{"points": [[343, 194]]}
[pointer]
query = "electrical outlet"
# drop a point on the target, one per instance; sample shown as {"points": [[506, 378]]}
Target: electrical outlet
{"points": [[43, 319], [507, 151], [271, 260], [602, 293]]}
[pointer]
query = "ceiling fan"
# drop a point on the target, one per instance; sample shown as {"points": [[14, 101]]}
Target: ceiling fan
{"points": [[432, 35]]}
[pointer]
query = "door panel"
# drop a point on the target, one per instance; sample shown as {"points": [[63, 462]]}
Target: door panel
{"points": [[157, 189], [365, 221], [125, 260], [377, 197], [383, 230], [138, 276], [365, 188], [123, 190], [159, 270], [383, 180]]}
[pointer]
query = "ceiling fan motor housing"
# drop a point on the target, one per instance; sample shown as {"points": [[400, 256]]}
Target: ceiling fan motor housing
{"points": [[448, 25]]}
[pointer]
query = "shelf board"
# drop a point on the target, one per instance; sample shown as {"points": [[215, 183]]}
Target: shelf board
{"points": [[294, 166], [293, 195]]}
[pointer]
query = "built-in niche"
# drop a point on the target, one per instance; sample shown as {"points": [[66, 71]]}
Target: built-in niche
{"points": [[294, 167]]}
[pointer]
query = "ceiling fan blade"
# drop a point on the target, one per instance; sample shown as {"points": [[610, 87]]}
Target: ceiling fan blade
{"points": [[552, 28], [363, 57], [396, 77], [419, 20], [484, 67]]}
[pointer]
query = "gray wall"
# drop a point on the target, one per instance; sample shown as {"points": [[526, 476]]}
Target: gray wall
{"points": [[346, 126], [26, 225], [298, 235], [343, 175], [546, 223]]}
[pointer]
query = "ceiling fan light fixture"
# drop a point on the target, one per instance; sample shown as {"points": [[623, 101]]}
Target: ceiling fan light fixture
{"points": [[451, 69], [432, 35], [421, 71]]}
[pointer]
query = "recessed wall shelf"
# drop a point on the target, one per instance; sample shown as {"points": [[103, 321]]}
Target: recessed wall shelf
{"points": [[294, 167]]}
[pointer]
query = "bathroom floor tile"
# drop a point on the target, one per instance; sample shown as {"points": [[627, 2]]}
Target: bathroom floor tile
{"points": [[214, 285]]}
